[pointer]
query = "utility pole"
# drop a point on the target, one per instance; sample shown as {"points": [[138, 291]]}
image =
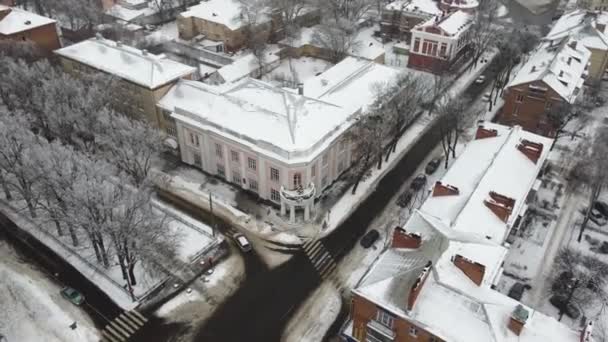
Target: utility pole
{"points": [[212, 215]]}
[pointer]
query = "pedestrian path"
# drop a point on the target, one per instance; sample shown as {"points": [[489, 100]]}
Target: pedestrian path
{"points": [[123, 327], [321, 260]]}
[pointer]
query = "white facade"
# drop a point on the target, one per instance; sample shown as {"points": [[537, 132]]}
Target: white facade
{"points": [[444, 37]]}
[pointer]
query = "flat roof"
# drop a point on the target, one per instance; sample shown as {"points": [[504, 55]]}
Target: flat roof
{"points": [[19, 20]]}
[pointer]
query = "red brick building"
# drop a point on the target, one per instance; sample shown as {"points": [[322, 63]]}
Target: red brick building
{"points": [[436, 281], [554, 74], [19, 25], [440, 42]]}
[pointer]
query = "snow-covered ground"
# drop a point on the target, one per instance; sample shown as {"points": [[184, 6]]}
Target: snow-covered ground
{"points": [[165, 32], [32, 309]]}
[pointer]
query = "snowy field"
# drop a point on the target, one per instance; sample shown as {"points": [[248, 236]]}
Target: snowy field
{"points": [[32, 308]]}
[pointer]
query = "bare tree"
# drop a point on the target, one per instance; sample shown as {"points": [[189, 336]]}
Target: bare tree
{"points": [[578, 280], [337, 36], [484, 31], [451, 125], [364, 148], [255, 17], [289, 11], [349, 10], [162, 7]]}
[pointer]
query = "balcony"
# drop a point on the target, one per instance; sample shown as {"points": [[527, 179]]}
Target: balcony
{"points": [[376, 332]]}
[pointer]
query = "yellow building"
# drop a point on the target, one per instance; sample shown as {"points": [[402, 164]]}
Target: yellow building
{"points": [[589, 29], [144, 78]]}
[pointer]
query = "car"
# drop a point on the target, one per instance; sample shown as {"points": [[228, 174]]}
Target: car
{"points": [[602, 207], [569, 309], [242, 242], [487, 96], [72, 295], [404, 199], [480, 79], [418, 182], [597, 217], [432, 166], [369, 238], [517, 291]]}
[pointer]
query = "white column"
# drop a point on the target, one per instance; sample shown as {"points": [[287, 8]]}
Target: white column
{"points": [[282, 206], [307, 212], [292, 214]]}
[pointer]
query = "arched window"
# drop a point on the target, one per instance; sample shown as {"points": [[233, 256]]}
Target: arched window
{"points": [[297, 180]]}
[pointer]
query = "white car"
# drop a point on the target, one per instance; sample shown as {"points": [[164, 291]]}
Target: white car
{"points": [[242, 242], [480, 79], [487, 96]]}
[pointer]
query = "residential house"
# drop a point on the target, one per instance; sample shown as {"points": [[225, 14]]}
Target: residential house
{"points": [[400, 16], [285, 146], [468, 6], [144, 78], [593, 5], [554, 74], [219, 20], [17, 24], [7, 2], [589, 29], [532, 12], [436, 281], [246, 66], [441, 42], [107, 4]]}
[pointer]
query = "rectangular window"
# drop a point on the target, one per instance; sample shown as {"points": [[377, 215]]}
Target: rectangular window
{"points": [[516, 110], [253, 184], [548, 105], [274, 195], [236, 177], [424, 47], [194, 139], [252, 163], [519, 98], [325, 159], [340, 166], [416, 44], [313, 171], [221, 171], [219, 152], [385, 318], [234, 156], [274, 174], [444, 49], [413, 331], [324, 181], [197, 158]]}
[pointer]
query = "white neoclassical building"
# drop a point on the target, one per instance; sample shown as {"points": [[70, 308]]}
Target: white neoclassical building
{"points": [[286, 146]]}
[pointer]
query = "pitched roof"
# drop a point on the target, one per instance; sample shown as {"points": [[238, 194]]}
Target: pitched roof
{"points": [[225, 12], [421, 7], [450, 305], [452, 23], [126, 62], [19, 20], [582, 26], [558, 64]]}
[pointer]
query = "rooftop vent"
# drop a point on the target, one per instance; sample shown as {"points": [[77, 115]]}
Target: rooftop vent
{"points": [[518, 319]]}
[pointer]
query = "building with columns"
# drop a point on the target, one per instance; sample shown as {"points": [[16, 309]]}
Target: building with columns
{"points": [[286, 146], [440, 42]]}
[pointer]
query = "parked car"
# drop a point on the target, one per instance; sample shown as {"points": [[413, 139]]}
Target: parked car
{"points": [[404, 199], [597, 217], [72, 295], [242, 242], [432, 166], [560, 303], [480, 79], [369, 238], [486, 96], [517, 291], [602, 207], [418, 182]]}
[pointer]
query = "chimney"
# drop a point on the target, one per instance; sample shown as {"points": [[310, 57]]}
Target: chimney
{"points": [[501, 206], [441, 189], [403, 239], [586, 333], [600, 27], [4, 12], [118, 43], [417, 286], [98, 36], [530, 149], [483, 133], [569, 60], [573, 45], [474, 270], [144, 52], [300, 89], [561, 72], [518, 319], [533, 68]]}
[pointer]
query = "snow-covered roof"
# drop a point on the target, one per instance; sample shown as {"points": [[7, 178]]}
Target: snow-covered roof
{"points": [[581, 25], [452, 23], [559, 64], [126, 62], [19, 20], [245, 65], [258, 114], [224, 12], [350, 83], [450, 305], [422, 7], [461, 4]]}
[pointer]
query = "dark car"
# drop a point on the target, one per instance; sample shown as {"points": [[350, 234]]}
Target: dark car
{"points": [[369, 238], [404, 199], [72, 295], [517, 291], [242, 242], [432, 166], [560, 303], [418, 182], [602, 207]]}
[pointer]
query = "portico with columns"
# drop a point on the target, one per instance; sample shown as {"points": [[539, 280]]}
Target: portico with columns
{"points": [[302, 197]]}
